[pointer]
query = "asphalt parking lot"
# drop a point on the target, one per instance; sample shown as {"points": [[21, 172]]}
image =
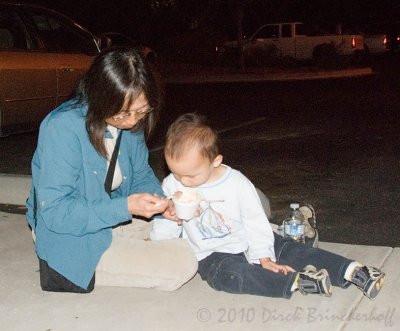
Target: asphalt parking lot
{"points": [[340, 153]]}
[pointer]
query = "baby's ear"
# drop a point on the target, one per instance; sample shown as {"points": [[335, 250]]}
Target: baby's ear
{"points": [[218, 160]]}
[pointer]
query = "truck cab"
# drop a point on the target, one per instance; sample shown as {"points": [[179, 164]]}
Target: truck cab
{"points": [[294, 40], [281, 35]]}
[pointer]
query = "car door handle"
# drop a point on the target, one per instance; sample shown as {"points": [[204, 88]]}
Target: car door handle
{"points": [[68, 69]]}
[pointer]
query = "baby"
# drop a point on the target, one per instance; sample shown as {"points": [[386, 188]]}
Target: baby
{"points": [[233, 240]]}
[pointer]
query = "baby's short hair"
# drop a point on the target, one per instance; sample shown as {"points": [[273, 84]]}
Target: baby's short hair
{"points": [[191, 131]]}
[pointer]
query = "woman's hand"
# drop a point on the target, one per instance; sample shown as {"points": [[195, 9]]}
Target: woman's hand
{"points": [[266, 263], [147, 205]]}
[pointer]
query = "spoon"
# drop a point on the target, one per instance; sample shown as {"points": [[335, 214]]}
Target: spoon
{"points": [[176, 195]]}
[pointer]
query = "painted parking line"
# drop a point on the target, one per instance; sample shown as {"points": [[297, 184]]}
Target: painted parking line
{"points": [[260, 119], [302, 133], [257, 120]]}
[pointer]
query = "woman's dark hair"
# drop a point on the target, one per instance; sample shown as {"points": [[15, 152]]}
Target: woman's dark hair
{"points": [[115, 75]]}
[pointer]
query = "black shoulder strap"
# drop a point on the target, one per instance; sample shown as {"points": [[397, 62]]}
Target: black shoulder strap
{"points": [[111, 168]]}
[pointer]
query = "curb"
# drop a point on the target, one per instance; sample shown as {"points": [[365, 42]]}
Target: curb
{"points": [[14, 189], [224, 77]]}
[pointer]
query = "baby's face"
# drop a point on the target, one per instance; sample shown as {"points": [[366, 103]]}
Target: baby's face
{"points": [[192, 169]]}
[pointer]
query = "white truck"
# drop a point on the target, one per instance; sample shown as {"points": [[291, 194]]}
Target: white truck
{"points": [[292, 40]]}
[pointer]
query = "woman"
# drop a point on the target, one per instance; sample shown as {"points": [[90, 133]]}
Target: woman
{"points": [[82, 222]]}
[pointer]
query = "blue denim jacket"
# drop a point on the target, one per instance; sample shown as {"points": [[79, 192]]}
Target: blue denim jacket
{"points": [[68, 208]]}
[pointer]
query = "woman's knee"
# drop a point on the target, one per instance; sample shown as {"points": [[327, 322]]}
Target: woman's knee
{"points": [[178, 264], [164, 264]]}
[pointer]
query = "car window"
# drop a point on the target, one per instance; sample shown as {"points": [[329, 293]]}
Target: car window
{"points": [[12, 31], [268, 31], [119, 39], [60, 36], [301, 30], [286, 30]]}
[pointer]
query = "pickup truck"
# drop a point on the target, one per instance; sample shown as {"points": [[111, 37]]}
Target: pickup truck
{"points": [[292, 40]]}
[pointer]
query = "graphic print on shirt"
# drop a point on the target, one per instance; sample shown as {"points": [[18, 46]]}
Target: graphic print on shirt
{"points": [[211, 224]]}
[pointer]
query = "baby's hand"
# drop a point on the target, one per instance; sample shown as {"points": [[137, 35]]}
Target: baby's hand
{"points": [[169, 213], [266, 263]]}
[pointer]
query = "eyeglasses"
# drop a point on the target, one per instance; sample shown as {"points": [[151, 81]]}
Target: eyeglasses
{"points": [[125, 114]]}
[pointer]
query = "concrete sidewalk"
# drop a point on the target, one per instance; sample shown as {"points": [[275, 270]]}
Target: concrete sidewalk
{"points": [[14, 189], [24, 306]]}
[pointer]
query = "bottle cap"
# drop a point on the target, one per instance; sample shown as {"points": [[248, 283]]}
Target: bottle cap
{"points": [[294, 205]]}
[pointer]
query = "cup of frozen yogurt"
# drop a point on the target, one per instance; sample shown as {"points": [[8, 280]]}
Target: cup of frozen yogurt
{"points": [[186, 202]]}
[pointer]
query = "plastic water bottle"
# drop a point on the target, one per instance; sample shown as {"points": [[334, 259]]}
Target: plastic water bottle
{"points": [[293, 227]]}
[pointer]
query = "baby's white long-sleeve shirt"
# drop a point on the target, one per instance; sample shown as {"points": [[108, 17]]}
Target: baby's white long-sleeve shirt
{"points": [[234, 224]]}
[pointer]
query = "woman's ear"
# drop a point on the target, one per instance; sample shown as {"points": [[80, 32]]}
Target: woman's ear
{"points": [[217, 161]]}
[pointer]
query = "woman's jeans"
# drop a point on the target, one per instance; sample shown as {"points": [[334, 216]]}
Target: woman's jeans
{"points": [[232, 273], [51, 280]]}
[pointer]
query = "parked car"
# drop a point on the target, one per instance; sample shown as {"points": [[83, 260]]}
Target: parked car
{"points": [[109, 39], [394, 37], [376, 39], [42, 55], [381, 37], [375, 43]]}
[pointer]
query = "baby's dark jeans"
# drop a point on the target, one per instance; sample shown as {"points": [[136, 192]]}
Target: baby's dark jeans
{"points": [[232, 273]]}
